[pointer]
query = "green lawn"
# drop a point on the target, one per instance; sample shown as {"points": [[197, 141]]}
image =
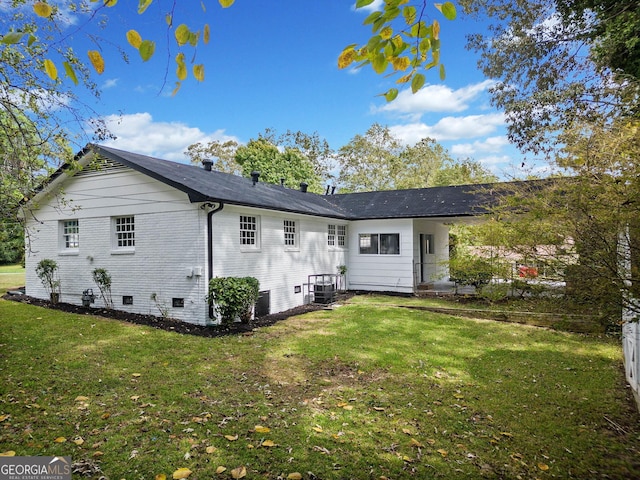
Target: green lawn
{"points": [[358, 392], [11, 276]]}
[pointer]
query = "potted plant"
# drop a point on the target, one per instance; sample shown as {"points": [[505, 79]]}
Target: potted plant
{"points": [[47, 273], [342, 273]]}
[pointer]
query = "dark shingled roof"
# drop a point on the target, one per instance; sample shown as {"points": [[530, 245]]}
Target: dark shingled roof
{"points": [[211, 186]]}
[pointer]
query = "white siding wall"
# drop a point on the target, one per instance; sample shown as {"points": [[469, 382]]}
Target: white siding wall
{"points": [[381, 272], [279, 269], [170, 236], [437, 266]]}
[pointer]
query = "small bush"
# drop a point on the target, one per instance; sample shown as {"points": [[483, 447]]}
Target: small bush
{"points": [[233, 297], [470, 270], [46, 270], [103, 280]]}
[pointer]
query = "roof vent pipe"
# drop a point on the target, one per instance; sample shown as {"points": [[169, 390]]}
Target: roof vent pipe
{"points": [[207, 164], [303, 187], [254, 176]]}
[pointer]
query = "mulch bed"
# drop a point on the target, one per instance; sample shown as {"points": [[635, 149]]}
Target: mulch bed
{"points": [[170, 324]]}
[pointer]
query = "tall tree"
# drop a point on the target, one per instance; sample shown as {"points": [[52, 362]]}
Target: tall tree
{"points": [[379, 161], [464, 172], [370, 161], [568, 82], [421, 164], [222, 154], [290, 167], [315, 148], [558, 64]]}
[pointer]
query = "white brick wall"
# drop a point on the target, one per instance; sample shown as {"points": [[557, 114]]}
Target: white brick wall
{"points": [[279, 269], [170, 238]]}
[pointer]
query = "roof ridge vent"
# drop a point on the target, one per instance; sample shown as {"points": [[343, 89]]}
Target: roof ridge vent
{"points": [[207, 164], [303, 187]]}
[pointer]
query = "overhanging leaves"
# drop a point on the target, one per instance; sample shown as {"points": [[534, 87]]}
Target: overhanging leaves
{"points": [[147, 49], [97, 62]]}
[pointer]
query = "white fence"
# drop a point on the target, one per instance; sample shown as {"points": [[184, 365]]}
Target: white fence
{"points": [[630, 344], [631, 350]]}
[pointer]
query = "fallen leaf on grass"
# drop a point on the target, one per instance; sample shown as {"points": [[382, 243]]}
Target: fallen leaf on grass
{"points": [[105, 415], [543, 466], [60, 440], [318, 429], [181, 473], [134, 397], [268, 443], [261, 429], [210, 449], [97, 453], [8, 453], [231, 438], [136, 375], [239, 472], [379, 409], [407, 431], [294, 476], [220, 470], [416, 443], [442, 452], [78, 441], [3, 417], [161, 476], [81, 398]]}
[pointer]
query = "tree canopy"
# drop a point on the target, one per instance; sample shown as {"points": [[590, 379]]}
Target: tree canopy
{"points": [[378, 161], [558, 63]]}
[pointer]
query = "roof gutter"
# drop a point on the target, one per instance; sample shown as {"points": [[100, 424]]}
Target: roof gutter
{"points": [[215, 208]]}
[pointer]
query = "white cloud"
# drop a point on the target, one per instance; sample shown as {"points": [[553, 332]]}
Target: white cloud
{"points": [[450, 128], [435, 98], [139, 133], [489, 145], [110, 83], [375, 5]]}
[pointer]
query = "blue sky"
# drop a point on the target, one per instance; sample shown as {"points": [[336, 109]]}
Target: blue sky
{"points": [[274, 65]]}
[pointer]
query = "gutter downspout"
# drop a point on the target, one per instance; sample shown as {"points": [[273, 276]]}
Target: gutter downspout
{"points": [[214, 210]]}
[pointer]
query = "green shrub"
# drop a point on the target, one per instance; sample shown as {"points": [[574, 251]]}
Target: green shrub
{"points": [[494, 293], [103, 279], [470, 270], [46, 270], [233, 297]]}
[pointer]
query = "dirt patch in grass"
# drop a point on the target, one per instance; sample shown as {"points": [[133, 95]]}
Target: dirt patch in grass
{"points": [[170, 324]]}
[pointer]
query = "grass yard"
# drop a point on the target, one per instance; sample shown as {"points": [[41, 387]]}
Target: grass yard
{"points": [[355, 393], [11, 276]]}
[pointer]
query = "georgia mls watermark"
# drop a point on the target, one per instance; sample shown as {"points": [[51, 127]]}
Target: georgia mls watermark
{"points": [[35, 468]]}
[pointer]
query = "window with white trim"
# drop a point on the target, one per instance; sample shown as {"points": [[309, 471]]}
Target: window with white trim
{"points": [[342, 235], [379, 243], [124, 233], [290, 234], [70, 234], [249, 231], [337, 236]]}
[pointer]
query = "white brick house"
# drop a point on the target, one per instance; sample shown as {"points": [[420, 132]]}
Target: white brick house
{"points": [[163, 229]]}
